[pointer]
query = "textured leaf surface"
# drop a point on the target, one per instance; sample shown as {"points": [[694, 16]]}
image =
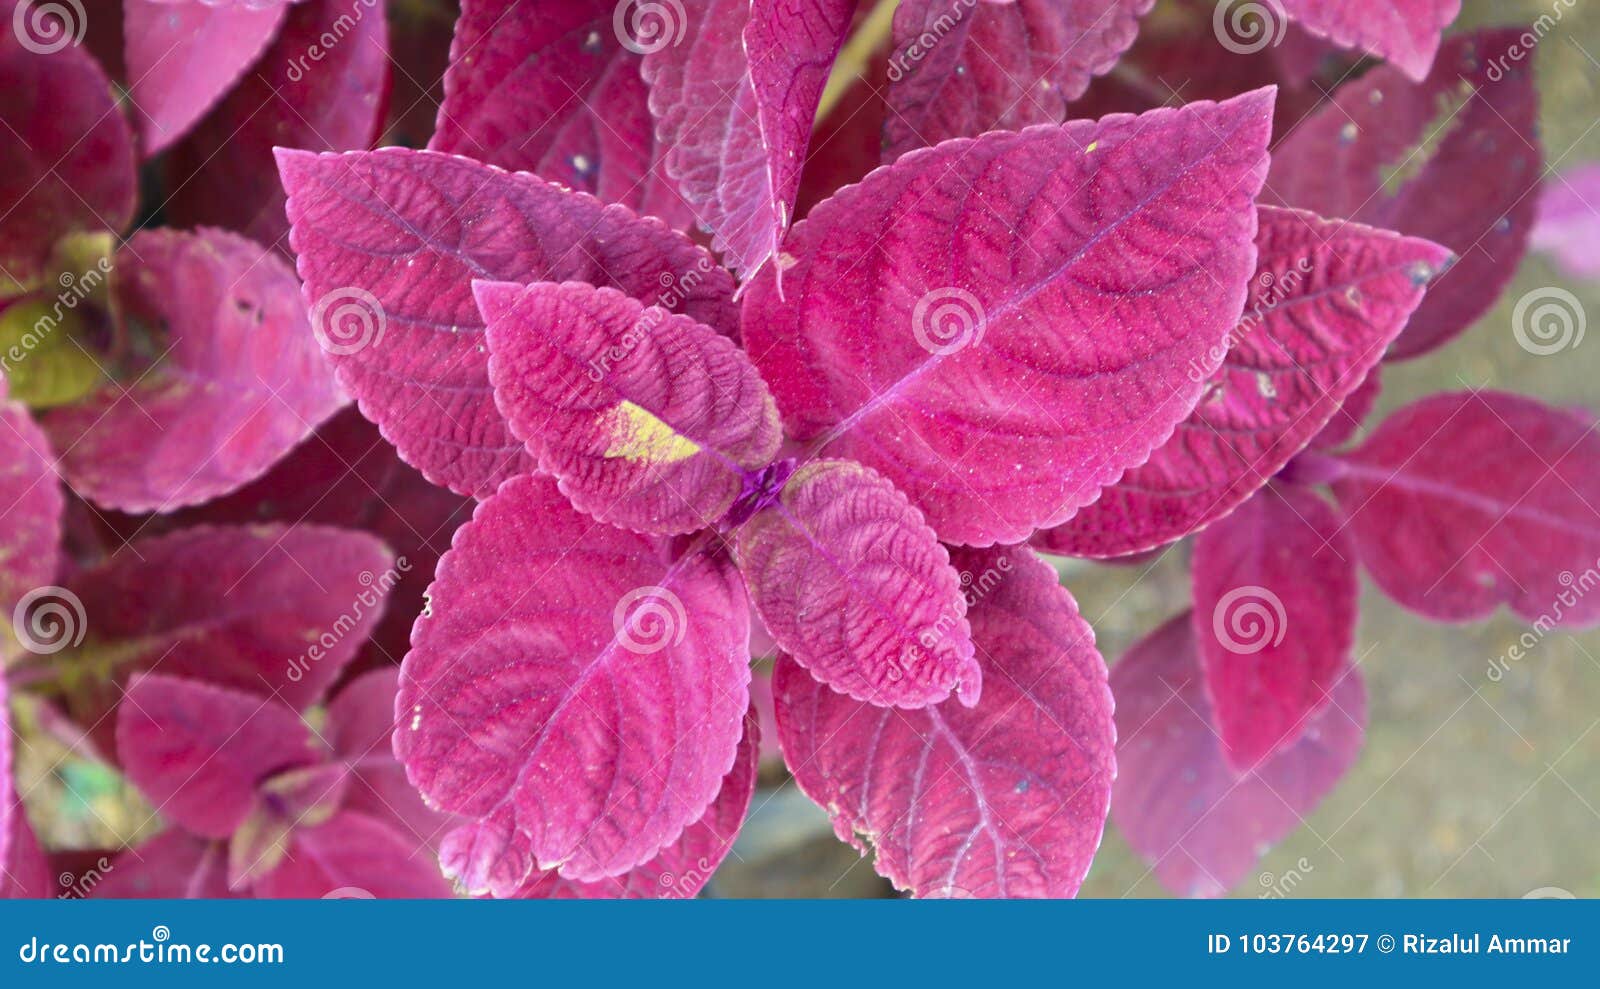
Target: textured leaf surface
{"points": [[1275, 596], [1404, 33], [649, 420], [1326, 300], [850, 581], [552, 88], [1455, 159], [1464, 501], [352, 855], [30, 509], [734, 89], [223, 174], [1007, 799], [183, 55], [197, 752], [232, 380], [389, 243], [574, 688], [1001, 361], [1201, 825], [67, 161], [962, 67], [683, 867], [1569, 220]]}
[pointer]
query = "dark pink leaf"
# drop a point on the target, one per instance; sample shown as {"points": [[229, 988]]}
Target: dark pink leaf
{"points": [[9, 807], [353, 856], [223, 173], [31, 509], [1327, 299], [1000, 361], [67, 162], [1404, 33], [1275, 591], [851, 582], [173, 865], [225, 379], [575, 688], [1007, 799], [734, 87], [1569, 220], [389, 243], [360, 728], [962, 67], [649, 420], [554, 88], [1455, 159], [1352, 415], [183, 55], [24, 870], [197, 752], [1200, 824], [1464, 501], [683, 867]]}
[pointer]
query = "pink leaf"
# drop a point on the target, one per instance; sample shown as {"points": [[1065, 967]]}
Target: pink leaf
{"points": [[1569, 220], [173, 865], [223, 173], [360, 727], [1327, 298], [1007, 799], [353, 856], [1404, 33], [962, 67], [197, 752], [1464, 501], [682, 868], [851, 582], [1002, 326], [1455, 159], [734, 87], [228, 381], [1200, 824], [67, 161], [184, 55], [31, 509], [389, 243], [649, 420], [552, 88], [575, 688], [24, 870], [1352, 415], [10, 809], [1275, 591]]}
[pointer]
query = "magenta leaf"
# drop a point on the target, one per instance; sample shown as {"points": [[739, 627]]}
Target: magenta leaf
{"points": [[360, 728], [1352, 415], [850, 581], [574, 688], [1569, 223], [174, 865], [554, 88], [389, 243], [1455, 159], [1007, 799], [1327, 299], [649, 420], [962, 67], [67, 161], [1001, 362], [31, 507], [1275, 591], [1404, 33], [1200, 824], [24, 870], [734, 87], [10, 809], [197, 752], [228, 380], [183, 55], [353, 856], [1464, 501], [682, 868], [302, 94]]}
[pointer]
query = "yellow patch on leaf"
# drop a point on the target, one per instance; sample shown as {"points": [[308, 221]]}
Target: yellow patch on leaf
{"points": [[637, 436]]}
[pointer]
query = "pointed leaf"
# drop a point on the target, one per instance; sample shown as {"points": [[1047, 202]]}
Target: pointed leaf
{"points": [[232, 379], [962, 67], [389, 243], [1464, 501], [734, 87], [1455, 159], [851, 582], [649, 420], [1200, 824], [573, 687], [31, 509], [353, 856], [1275, 591], [1001, 362], [1404, 33], [1327, 299], [1007, 799]]}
